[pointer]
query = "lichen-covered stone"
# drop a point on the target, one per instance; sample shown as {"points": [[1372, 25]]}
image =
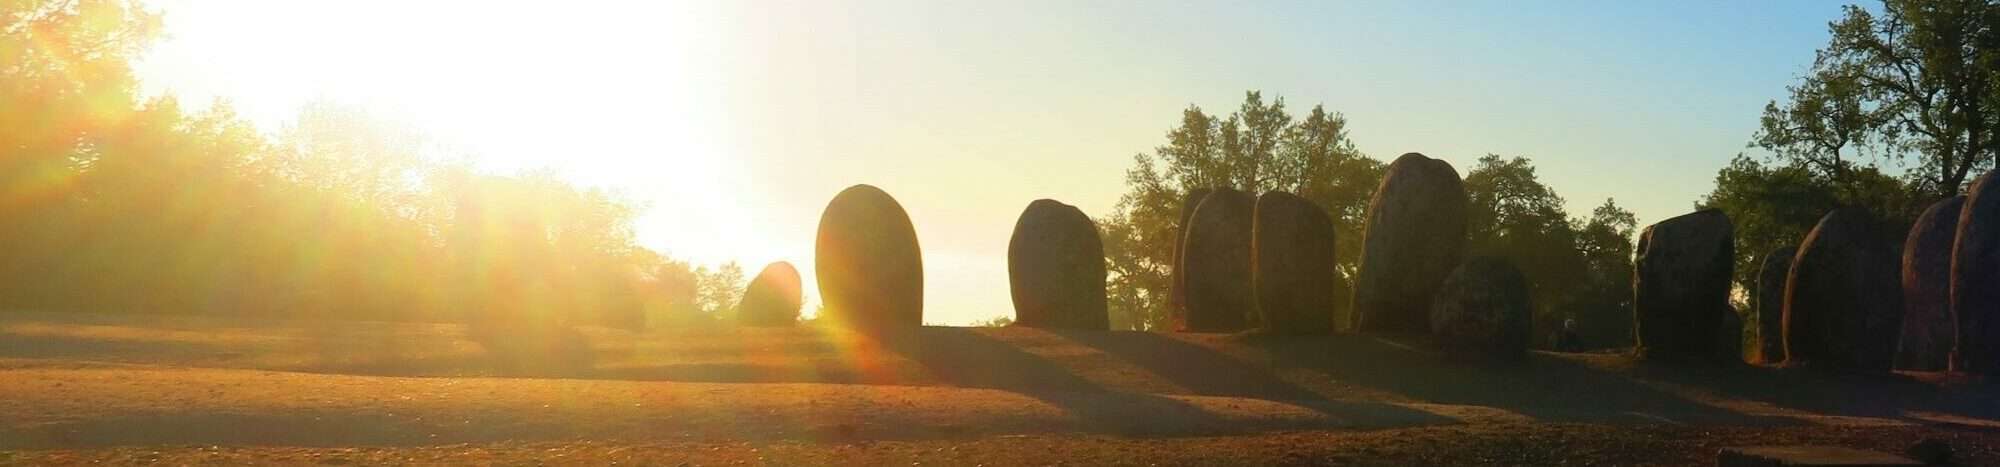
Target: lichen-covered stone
{"points": [[1768, 345], [1055, 269], [1414, 236], [772, 298], [1975, 279], [1928, 330], [1177, 296], [870, 269], [1843, 302], [1293, 265], [1217, 261], [1680, 289], [1483, 311]]}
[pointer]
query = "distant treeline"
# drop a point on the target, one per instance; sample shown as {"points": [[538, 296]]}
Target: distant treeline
{"points": [[111, 204]]}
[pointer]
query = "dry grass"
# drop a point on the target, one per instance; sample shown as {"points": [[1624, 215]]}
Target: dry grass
{"points": [[182, 390]]}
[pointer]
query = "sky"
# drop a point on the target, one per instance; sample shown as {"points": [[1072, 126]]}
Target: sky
{"points": [[734, 123]]}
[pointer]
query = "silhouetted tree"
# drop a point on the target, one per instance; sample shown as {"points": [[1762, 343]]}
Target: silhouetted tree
{"points": [[1916, 81]]}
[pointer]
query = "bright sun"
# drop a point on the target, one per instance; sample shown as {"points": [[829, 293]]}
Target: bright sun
{"points": [[628, 96]]}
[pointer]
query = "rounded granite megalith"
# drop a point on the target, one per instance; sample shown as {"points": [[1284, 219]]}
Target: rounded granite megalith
{"points": [[1928, 329], [772, 298], [1217, 259], [1292, 264], [1975, 279], [1055, 269], [1680, 285], [1177, 293], [1483, 311], [1843, 302], [870, 271], [1413, 237], [1776, 267]]}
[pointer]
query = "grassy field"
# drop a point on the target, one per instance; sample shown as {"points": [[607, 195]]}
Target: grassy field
{"points": [[87, 388]]}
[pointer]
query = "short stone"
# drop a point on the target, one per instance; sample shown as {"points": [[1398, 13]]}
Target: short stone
{"points": [[772, 298], [1928, 331], [870, 269], [1293, 265], [1216, 257], [1177, 295], [1483, 312], [1680, 286], [1768, 345], [1843, 302], [1055, 269], [1975, 279]]}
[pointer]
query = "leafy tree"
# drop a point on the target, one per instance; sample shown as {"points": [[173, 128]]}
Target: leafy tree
{"points": [[1603, 302], [720, 289], [1775, 205], [995, 322], [1577, 269], [1259, 148], [1916, 81]]}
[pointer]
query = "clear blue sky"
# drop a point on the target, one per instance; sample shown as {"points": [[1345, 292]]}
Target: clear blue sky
{"points": [[735, 122]]}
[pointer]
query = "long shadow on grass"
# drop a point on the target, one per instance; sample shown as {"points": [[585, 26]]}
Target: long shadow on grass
{"points": [[1542, 388], [1839, 393], [969, 358]]}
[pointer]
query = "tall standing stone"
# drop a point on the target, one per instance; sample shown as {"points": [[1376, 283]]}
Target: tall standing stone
{"points": [[1773, 271], [1293, 264], [772, 298], [1681, 287], [870, 270], [1928, 329], [1844, 301], [1483, 311], [1217, 258], [1975, 279], [1177, 296], [1414, 237], [1055, 269]]}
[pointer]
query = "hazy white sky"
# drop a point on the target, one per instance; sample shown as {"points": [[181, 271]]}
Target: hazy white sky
{"points": [[736, 121]]}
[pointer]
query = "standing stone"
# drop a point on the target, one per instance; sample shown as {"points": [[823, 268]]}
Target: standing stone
{"points": [[1414, 237], [1975, 279], [1055, 267], [1843, 302], [1177, 296], [870, 270], [1769, 345], [1928, 330], [1483, 311], [1293, 264], [1728, 334], [1681, 287], [772, 299], [1217, 257]]}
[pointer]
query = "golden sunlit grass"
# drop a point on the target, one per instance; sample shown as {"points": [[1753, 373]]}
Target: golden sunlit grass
{"points": [[104, 383]]}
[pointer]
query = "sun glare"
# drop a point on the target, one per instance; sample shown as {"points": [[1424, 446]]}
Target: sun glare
{"points": [[511, 86]]}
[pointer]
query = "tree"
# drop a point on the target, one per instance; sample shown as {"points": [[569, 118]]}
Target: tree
{"points": [[1776, 205], [1603, 302], [720, 289], [1513, 215], [1258, 148], [1916, 81]]}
